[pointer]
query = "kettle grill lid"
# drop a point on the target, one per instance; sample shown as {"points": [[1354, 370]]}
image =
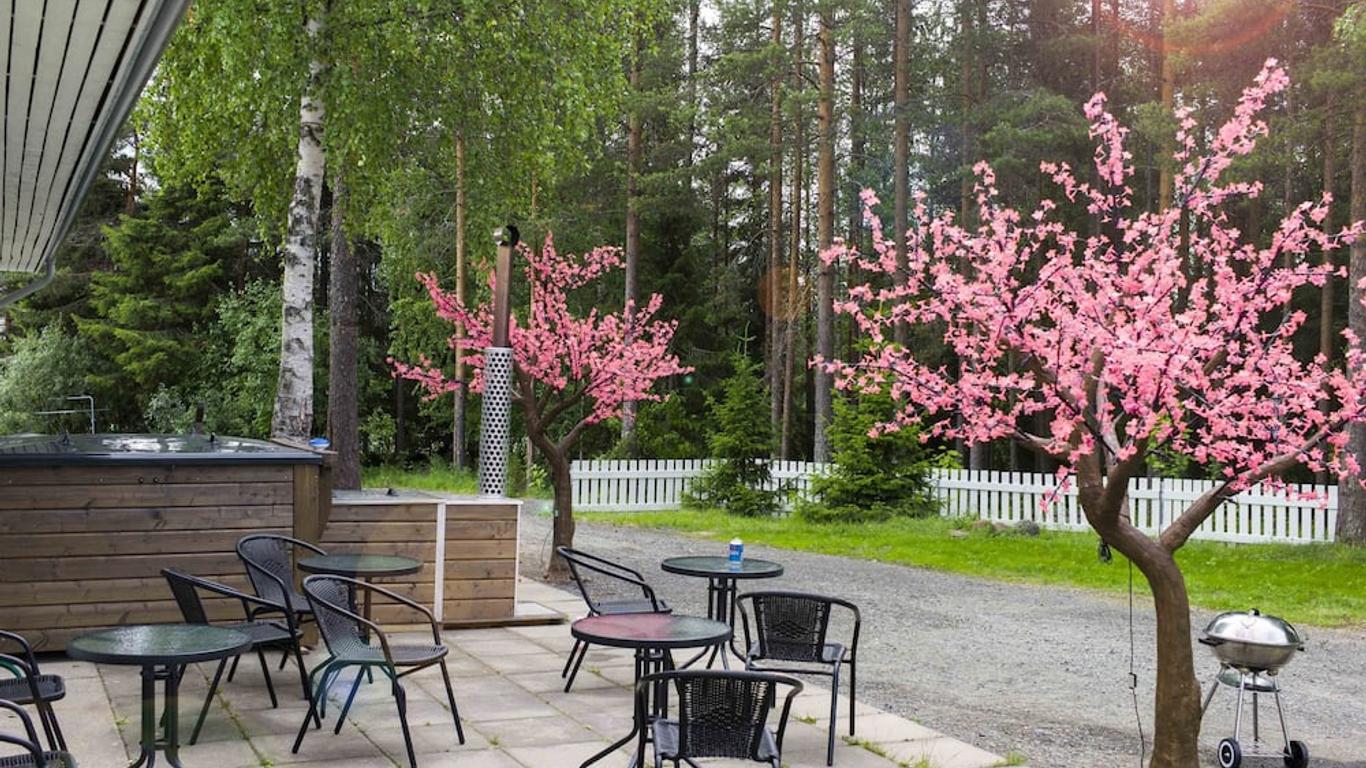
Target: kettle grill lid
{"points": [[1253, 628]]}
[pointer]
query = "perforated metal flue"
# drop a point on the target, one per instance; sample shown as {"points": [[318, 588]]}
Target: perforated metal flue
{"points": [[496, 421]]}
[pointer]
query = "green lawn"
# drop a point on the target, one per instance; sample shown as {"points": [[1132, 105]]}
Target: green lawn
{"points": [[438, 477], [1321, 584]]}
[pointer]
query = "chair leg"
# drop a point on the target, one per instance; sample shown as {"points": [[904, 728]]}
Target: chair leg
{"points": [[834, 707], [265, 670], [575, 673], [208, 699], [284, 660], [303, 674], [47, 727], [350, 697], [312, 704], [569, 662], [401, 699], [233, 669], [853, 677], [450, 696], [56, 727]]}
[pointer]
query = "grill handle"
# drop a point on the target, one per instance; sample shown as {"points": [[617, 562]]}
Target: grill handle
{"points": [[1211, 642]]}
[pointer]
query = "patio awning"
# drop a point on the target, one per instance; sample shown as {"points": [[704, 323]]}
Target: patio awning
{"points": [[73, 70]]}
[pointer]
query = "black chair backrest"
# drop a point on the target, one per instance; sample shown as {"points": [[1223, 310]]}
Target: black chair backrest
{"points": [[341, 628], [184, 589], [790, 626], [29, 741], [619, 580], [723, 713], [269, 559]]}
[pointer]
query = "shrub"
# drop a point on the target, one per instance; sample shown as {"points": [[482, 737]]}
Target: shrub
{"points": [[43, 370], [873, 478], [739, 480]]}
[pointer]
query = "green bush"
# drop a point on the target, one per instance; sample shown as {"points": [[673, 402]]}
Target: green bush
{"points": [[738, 481], [43, 370], [873, 478]]}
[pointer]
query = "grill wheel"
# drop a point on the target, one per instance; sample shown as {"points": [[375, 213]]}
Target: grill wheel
{"points": [[1231, 755]]}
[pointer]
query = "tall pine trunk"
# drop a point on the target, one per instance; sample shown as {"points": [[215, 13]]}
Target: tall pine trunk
{"points": [[792, 305], [293, 413], [459, 425], [825, 235], [1352, 507], [857, 149], [343, 302], [901, 152], [773, 377], [634, 157]]}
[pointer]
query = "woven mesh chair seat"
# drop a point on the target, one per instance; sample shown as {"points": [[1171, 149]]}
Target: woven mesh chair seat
{"points": [[404, 655], [665, 734], [50, 759], [642, 605], [17, 690]]}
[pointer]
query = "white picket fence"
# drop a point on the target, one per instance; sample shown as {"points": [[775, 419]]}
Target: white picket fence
{"points": [[1306, 514]]}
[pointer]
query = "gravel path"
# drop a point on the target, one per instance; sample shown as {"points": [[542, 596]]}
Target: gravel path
{"points": [[1042, 671]]}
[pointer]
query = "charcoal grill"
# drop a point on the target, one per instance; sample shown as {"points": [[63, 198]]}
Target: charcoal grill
{"points": [[1252, 649]]}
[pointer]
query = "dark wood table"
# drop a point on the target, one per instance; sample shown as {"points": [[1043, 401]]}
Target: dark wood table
{"points": [[722, 578], [652, 636], [162, 650]]}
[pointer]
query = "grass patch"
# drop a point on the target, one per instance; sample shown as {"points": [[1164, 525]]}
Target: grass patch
{"points": [[437, 477], [1322, 584]]}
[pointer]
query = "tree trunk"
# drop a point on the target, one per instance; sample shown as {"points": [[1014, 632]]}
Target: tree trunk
{"points": [[901, 153], [1326, 329], [634, 157], [1352, 506], [293, 413], [792, 305], [825, 235], [857, 149], [694, 14], [459, 426], [130, 203], [775, 223], [1167, 95], [1176, 722], [563, 525], [343, 300]]}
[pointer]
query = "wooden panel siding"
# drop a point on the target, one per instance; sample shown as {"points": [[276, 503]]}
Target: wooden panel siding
{"points": [[480, 550], [82, 545]]}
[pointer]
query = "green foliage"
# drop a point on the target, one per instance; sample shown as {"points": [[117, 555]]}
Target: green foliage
{"points": [[44, 369], [738, 482], [873, 478]]}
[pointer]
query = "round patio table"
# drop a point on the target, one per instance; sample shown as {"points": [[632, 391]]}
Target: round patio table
{"points": [[652, 636], [162, 650], [363, 567], [721, 579]]}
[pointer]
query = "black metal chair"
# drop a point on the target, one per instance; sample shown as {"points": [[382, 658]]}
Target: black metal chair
{"points": [[33, 756], [349, 644], [31, 686], [284, 634], [269, 560], [605, 599], [720, 714], [793, 627]]}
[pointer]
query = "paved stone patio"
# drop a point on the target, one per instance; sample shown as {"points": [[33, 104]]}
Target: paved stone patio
{"points": [[508, 688]]}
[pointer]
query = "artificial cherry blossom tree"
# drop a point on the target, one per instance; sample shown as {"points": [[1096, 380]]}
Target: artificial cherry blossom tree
{"points": [[1165, 331], [572, 370]]}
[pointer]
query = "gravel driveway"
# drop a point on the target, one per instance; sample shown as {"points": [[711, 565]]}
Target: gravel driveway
{"points": [[1042, 671]]}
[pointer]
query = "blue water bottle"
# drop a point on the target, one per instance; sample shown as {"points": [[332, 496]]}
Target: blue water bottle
{"points": [[737, 554]]}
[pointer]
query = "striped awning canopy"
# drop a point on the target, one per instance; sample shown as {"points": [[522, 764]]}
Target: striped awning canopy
{"points": [[73, 71]]}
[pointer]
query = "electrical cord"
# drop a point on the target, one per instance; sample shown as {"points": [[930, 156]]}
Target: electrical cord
{"points": [[1133, 676]]}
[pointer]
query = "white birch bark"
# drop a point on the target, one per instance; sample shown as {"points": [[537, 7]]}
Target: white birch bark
{"points": [[293, 413]]}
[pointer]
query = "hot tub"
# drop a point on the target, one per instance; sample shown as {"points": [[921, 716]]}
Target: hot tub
{"points": [[87, 522]]}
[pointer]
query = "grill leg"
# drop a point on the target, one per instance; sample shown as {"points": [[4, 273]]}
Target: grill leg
{"points": [[1238, 713], [1256, 719], [1209, 696], [1285, 734]]}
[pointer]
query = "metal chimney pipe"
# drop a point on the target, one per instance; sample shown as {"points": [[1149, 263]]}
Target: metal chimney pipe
{"points": [[495, 424]]}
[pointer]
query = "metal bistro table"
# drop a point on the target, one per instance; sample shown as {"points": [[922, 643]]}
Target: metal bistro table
{"points": [[162, 650], [721, 589], [363, 567], [652, 636]]}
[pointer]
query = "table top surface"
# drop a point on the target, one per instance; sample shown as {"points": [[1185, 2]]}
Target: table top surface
{"points": [[720, 567], [147, 644], [651, 630], [357, 565]]}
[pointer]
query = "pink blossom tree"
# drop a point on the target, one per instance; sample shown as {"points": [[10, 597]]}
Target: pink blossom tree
{"points": [[572, 370], [1164, 331]]}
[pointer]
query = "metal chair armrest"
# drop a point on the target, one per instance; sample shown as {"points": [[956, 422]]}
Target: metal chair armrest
{"points": [[32, 741], [796, 688]]}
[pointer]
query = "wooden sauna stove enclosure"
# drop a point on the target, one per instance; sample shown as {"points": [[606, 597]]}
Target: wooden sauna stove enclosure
{"points": [[87, 523]]}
